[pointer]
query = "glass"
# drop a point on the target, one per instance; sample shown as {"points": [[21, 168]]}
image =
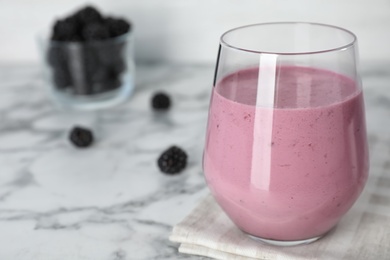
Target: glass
{"points": [[286, 148], [89, 75]]}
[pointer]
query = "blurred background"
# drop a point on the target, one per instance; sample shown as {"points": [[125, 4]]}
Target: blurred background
{"points": [[187, 31]]}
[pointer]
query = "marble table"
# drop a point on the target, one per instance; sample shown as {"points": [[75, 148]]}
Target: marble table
{"points": [[110, 201]]}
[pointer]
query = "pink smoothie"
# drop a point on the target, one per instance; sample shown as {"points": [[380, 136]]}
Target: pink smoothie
{"points": [[292, 172]]}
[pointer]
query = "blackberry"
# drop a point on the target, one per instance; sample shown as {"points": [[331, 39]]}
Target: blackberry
{"points": [[117, 26], [91, 62], [105, 73], [65, 30], [78, 69], [95, 31], [81, 137], [173, 160], [110, 52], [161, 101], [57, 57], [61, 79], [113, 84], [100, 75], [107, 85], [76, 38], [119, 66], [88, 15]]}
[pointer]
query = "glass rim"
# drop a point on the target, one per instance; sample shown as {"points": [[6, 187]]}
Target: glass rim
{"points": [[223, 42]]}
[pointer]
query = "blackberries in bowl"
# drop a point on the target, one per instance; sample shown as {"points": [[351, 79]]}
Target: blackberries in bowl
{"points": [[89, 57]]}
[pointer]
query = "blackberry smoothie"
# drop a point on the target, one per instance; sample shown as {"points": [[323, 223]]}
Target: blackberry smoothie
{"points": [[291, 171]]}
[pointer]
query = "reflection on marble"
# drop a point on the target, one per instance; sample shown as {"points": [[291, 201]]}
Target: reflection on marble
{"points": [[110, 202]]}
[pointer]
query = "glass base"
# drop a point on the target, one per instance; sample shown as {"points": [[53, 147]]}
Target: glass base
{"points": [[284, 243], [96, 101]]}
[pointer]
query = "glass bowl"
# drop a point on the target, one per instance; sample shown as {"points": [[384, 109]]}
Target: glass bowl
{"points": [[88, 75]]}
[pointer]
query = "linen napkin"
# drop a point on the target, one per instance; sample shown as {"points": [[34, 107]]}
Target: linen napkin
{"points": [[363, 233]]}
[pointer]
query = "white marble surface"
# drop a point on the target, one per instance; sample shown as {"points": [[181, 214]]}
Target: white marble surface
{"points": [[110, 202]]}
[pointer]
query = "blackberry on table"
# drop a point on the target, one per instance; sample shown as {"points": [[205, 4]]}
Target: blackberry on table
{"points": [[173, 160], [81, 137], [161, 101]]}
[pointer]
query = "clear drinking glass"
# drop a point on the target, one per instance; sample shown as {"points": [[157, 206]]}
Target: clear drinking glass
{"points": [[286, 148]]}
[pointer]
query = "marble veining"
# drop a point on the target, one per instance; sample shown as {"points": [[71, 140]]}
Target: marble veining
{"points": [[110, 202]]}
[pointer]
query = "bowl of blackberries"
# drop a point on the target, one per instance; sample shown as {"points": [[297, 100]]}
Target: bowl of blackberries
{"points": [[88, 59]]}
